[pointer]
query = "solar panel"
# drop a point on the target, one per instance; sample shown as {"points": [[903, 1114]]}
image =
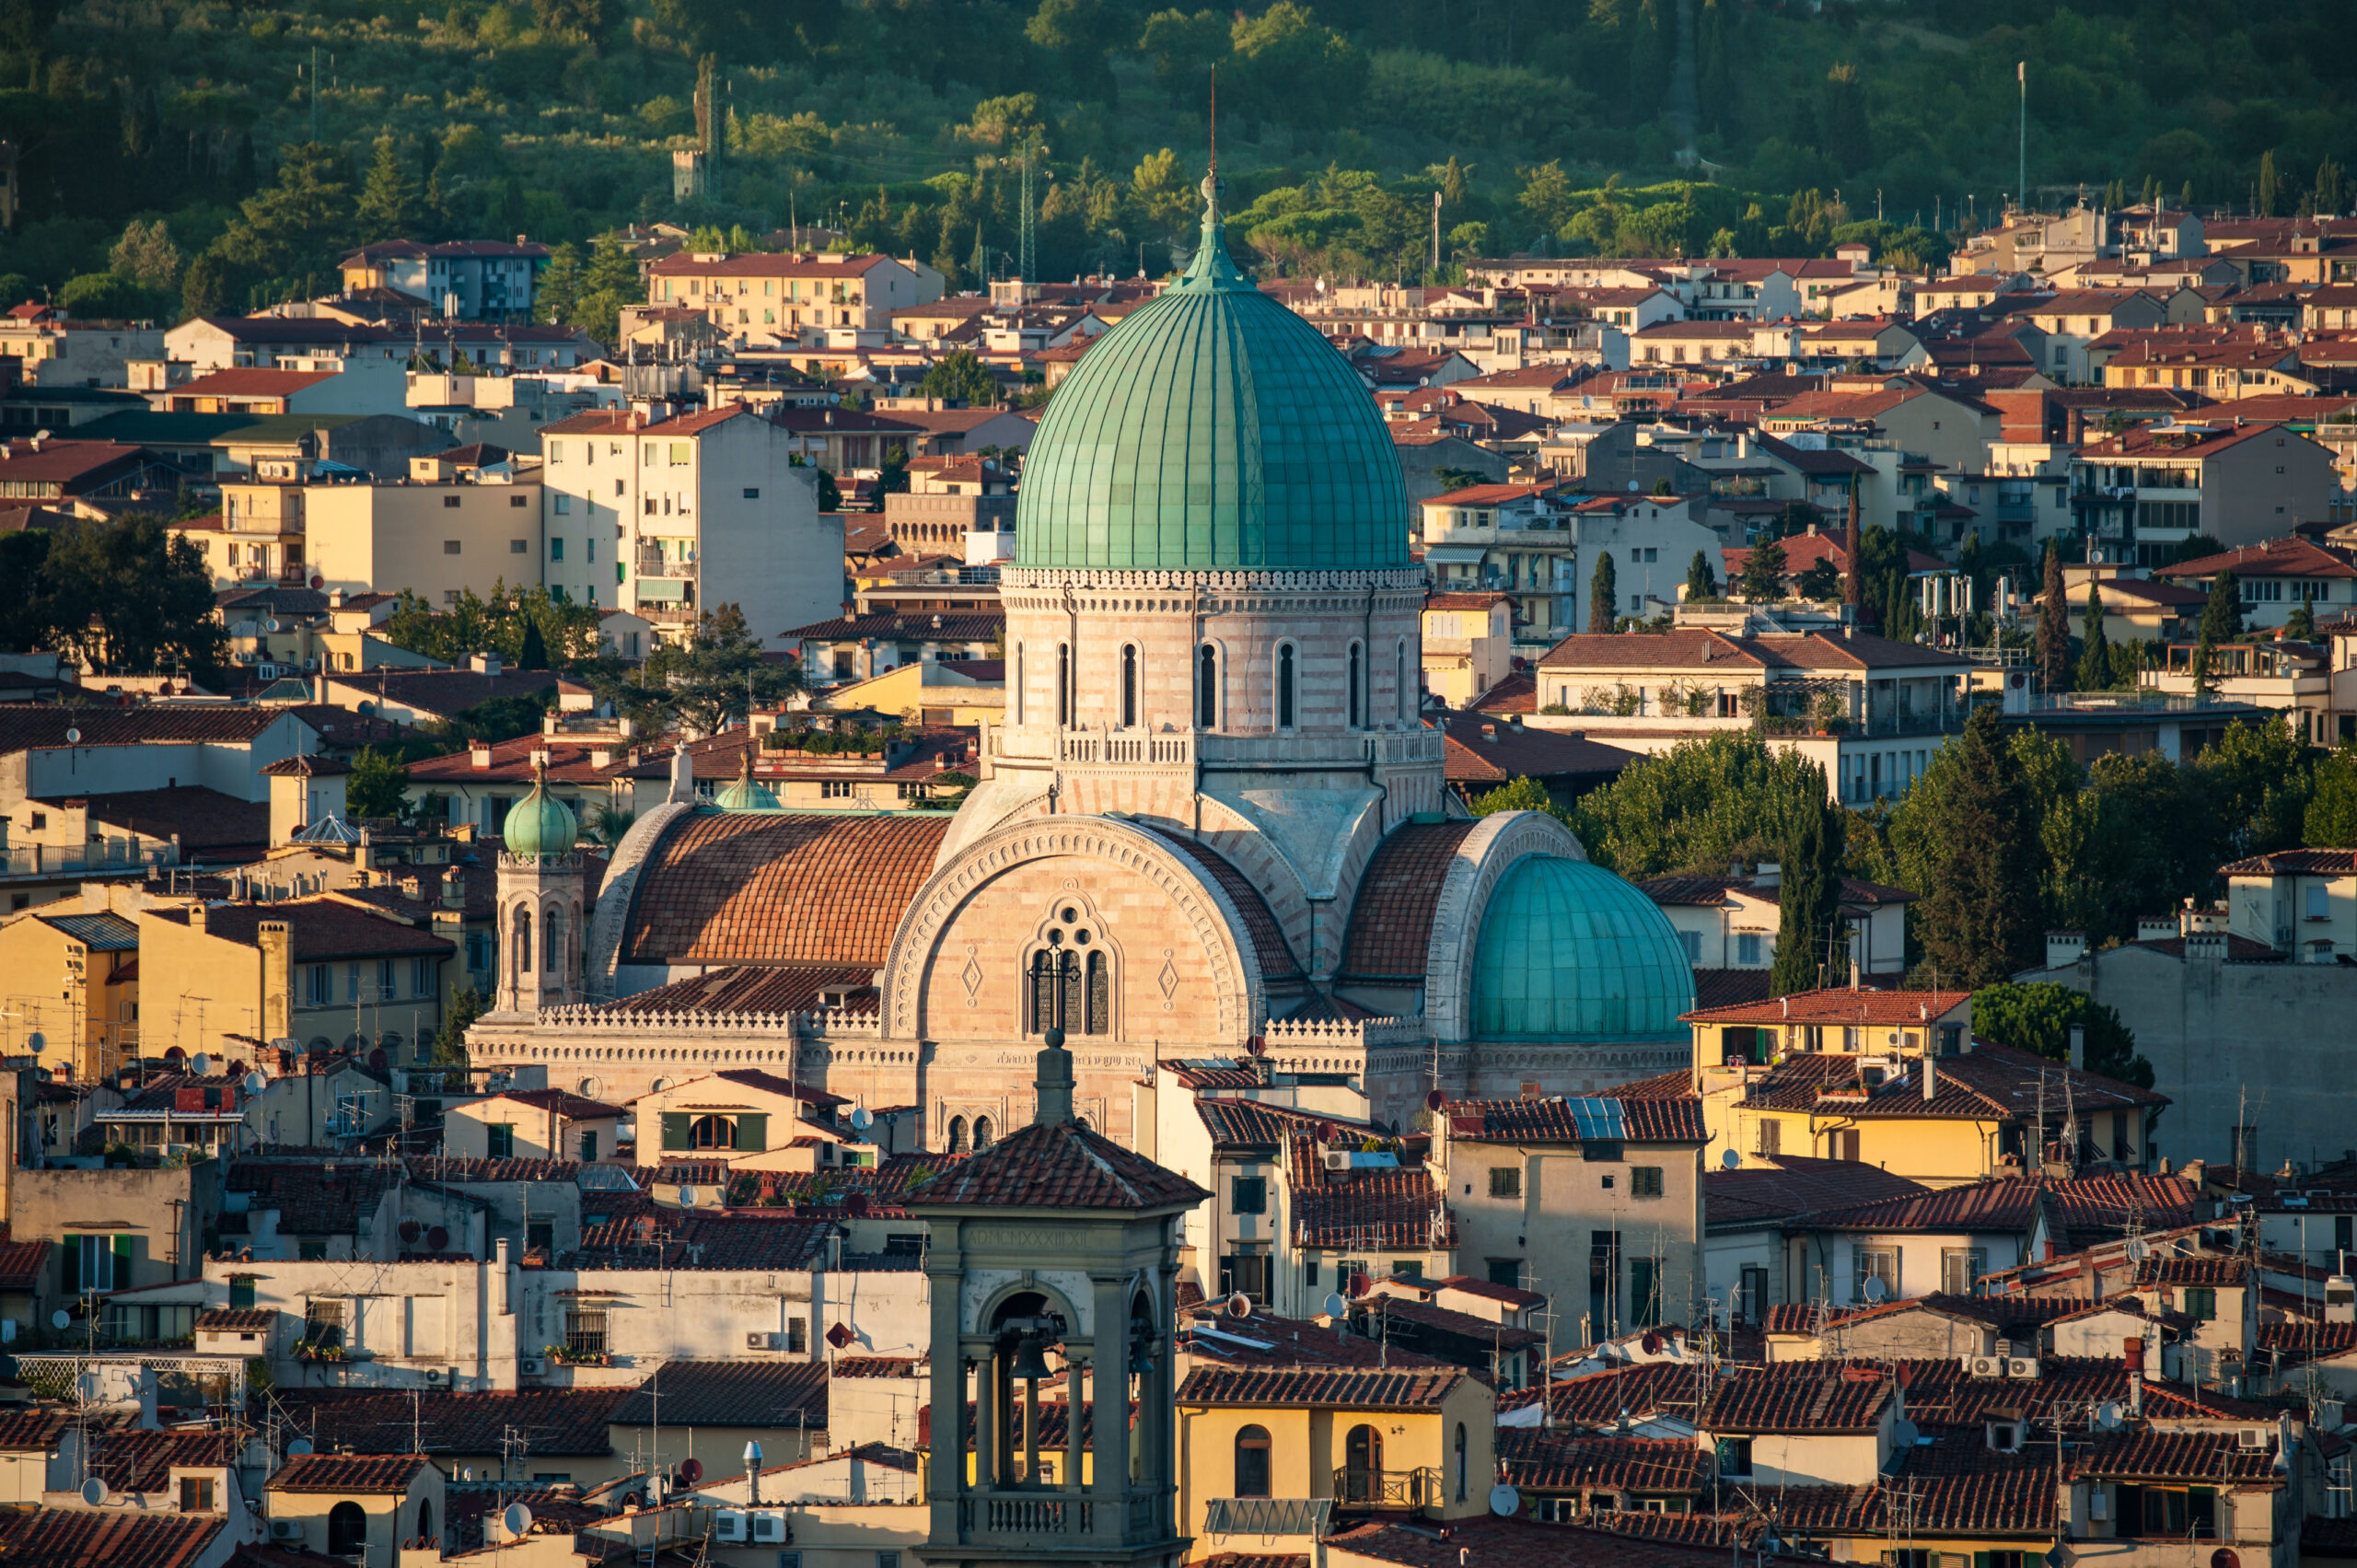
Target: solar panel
{"points": [[1594, 1117]]}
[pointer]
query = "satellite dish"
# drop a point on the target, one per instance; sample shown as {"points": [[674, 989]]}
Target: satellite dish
{"points": [[1652, 1342], [1904, 1432], [37, 1043], [61, 1319], [1335, 1305], [255, 1082], [1731, 1159], [1434, 1101], [1257, 1045], [202, 1066], [1360, 1285], [1239, 1305], [412, 1230], [1328, 1132], [861, 1118], [73, 736], [517, 1518], [2056, 1557], [319, 582], [438, 1239], [2107, 1415], [2137, 1249], [377, 1060], [94, 1491], [276, 627], [300, 1447], [1874, 1290], [687, 1196], [692, 1471], [1504, 1502], [858, 1205], [841, 1336]]}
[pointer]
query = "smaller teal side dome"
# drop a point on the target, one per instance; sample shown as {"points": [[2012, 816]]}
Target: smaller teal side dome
{"points": [[1570, 952], [541, 826], [744, 794]]}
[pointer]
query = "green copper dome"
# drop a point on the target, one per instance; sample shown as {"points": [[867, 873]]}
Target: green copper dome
{"points": [[744, 793], [1213, 429], [1570, 952], [540, 826]]}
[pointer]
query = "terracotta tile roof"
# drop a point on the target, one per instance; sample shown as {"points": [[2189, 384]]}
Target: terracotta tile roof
{"points": [[730, 1393], [2007, 1499], [1267, 1341], [768, 1241], [971, 625], [2175, 1455], [1387, 1303], [1316, 1387], [2092, 1205], [2291, 557], [133, 1460], [1602, 1540], [1369, 1208], [1601, 1397], [1944, 1395], [205, 820], [466, 1172], [1275, 954], [1556, 1119], [70, 1537], [1839, 1006], [1688, 648], [242, 1320], [755, 988], [1532, 1460], [2294, 863], [558, 1421], [877, 1366], [2306, 1342], [1391, 929], [1492, 1291], [729, 888], [1806, 1396], [347, 1472], [1059, 1166], [319, 928], [1990, 1082], [1256, 1125], [2193, 1271], [2006, 1203], [1484, 751], [1795, 1185], [34, 1430], [312, 1200]]}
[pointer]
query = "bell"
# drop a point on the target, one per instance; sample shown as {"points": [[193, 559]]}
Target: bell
{"points": [[1141, 1357], [1028, 1361]]}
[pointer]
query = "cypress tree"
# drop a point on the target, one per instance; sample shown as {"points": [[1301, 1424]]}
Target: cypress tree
{"points": [[2054, 628], [1701, 581], [1603, 593], [534, 654], [2222, 617], [1979, 921], [2094, 657], [1808, 930]]}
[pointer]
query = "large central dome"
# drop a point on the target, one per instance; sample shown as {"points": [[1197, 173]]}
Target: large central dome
{"points": [[1213, 429]]}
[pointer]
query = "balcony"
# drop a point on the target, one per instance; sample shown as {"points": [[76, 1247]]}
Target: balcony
{"points": [[1405, 1490], [111, 855], [653, 563]]}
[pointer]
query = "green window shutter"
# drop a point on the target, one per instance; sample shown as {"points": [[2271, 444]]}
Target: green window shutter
{"points": [[675, 1129], [71, 1279], [502, 1141], [242, 1293], [122, 1263], [753, 1131]]}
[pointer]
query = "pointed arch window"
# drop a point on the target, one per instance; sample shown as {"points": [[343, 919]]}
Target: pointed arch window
{"points": [[1018, 683], [1284, 685], [1399, 678], [523, 942], [1100, 993], [553, 944], [1358, 687], [1068, 984], [1129, 685], [956, 1134], [1206, 687], [1063, 685]]}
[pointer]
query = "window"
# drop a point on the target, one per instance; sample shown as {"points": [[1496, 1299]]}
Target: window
{"points": [[319, 988], [1506, 1272], [1644, 1291], [2178, 1512], [2201, 1303], [584, 1330], [1645, 1182], [323, 1323], [1692, 942], [501, 1138], [564, 508], [797, 1336], [450, 503], [1357, 688], [96, 1262], [1960, 1267], [752, 492], [196, 1495], [1873, 1263], [1751, 1294], [1747, 948], [1767, 1137], [1735, 1455], [588, 1146], [1248, 1195], [242, 1293], [892, 1559], [589, 552], [1506, 1181], [421, 977], [1252, 1462], [1064, 686], [1206, 687], [1284, 686], [1245, 1269], [712, 1133], [1129, 685]]}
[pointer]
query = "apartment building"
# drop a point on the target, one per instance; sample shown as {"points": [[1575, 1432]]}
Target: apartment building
{"points": [[778, 296], [2148, 489], [669, 516], [52, 350], [470, 280]]}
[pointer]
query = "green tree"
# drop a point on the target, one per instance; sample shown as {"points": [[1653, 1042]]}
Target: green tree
{"points": [[390, 198], [1822, 581], [1290, 68], [711, 678], [2094, 654], [147, 255], [2222, 616], [1186, 47], [1847, 140], [609, 282], [1978, 918], [1811, 948], [2053, 627], [295, 229], [960, 375], [2037, 1017], [137, 601], [558, 292], [2331, 821], [534, 652], [102, 297], [1521, 793], [2301, 624], [1764, 573], [2269, 194], [579, 18], [377, 784], [2254, 787], [1603, 593], [1701, 581], [1080, 34], [1698, 806], [1161, 191], [466, 1005]]}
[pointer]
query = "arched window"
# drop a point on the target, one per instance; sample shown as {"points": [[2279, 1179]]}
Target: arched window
{"points": [[1207, 686], [1039, 993], [956, 1134], [1358, 687], [1018, 683], [1284, 686], [1399, 678], [1252, 1462], [347, 1530], [425, 1519], [1460, 1461], [523, 942], [982, 1133], [1063, 685], [1071, 1004], [1100, 993], [552, 944], [712, 1133], [1129, 685], [1363, 1465]]}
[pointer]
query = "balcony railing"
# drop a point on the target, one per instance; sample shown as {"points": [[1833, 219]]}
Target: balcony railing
{"points": [[1418, 1488], [53, 860], [1027, 1513]]}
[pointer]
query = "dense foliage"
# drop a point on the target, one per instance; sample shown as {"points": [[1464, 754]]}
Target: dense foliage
{"points": [[250, 142], [2038, 1017], [123, 596]]}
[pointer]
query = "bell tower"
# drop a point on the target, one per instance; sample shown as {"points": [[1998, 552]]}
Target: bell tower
{"points": [[541, 898], [1054, 1263]]}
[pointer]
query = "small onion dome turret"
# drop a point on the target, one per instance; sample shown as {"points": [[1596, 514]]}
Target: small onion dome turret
{"points": [[540, 826]]}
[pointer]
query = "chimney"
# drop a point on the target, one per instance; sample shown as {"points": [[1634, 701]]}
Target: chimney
{"points": [[2064, 948], [2079, 1047], [277, 944], [196, 917], [1931, 1078]]}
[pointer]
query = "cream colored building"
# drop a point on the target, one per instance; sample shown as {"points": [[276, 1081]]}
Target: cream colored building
{"points": [[73, 976], [1467, 645], [777, 297], [436, 537]]}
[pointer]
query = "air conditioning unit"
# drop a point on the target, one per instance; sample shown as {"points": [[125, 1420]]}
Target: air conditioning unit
{"points": [[762, 1341], [2021, 1366], [531, 1366], [2098, 1504], [769, 1529], [1988, 1366], [286, 1529], [436, 1375], [2250, 1437], [1338, 1159], [728, 1526]]}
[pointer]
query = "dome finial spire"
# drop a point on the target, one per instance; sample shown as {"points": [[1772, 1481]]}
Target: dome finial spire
{"points": [[1212, 185]]}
